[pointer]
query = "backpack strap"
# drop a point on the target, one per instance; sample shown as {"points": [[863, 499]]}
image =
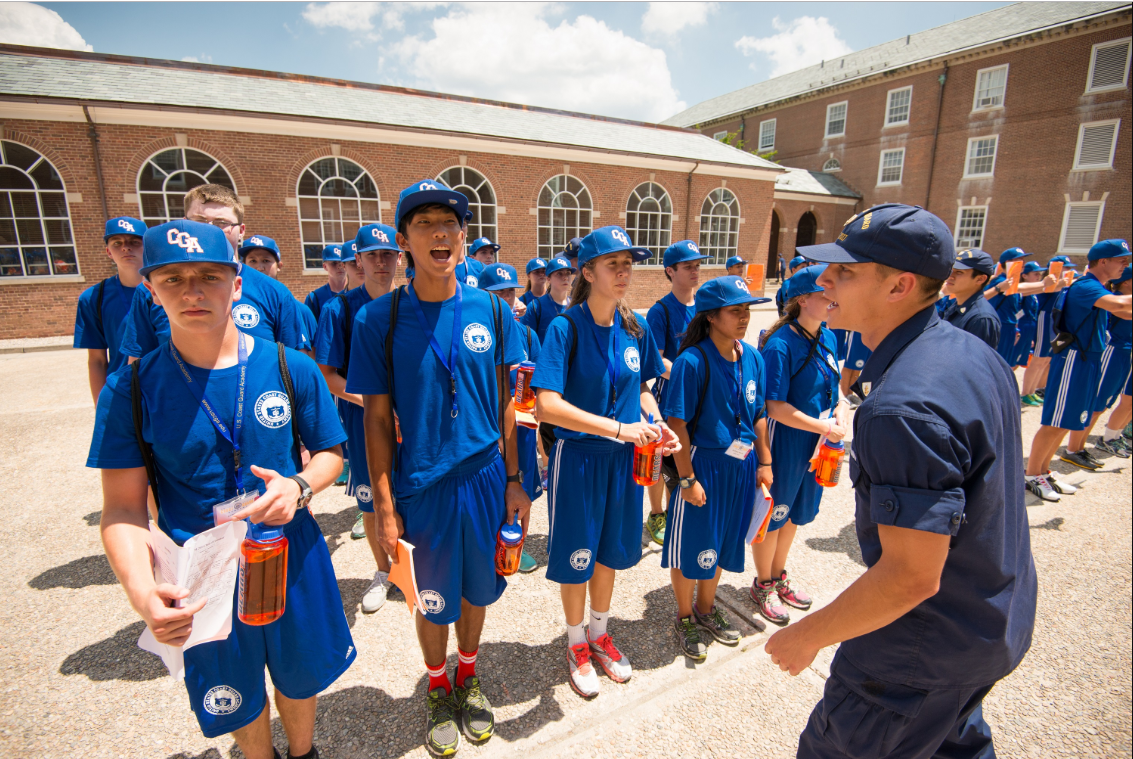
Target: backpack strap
{"points": [[810, 353], [501, 391], [691, 427], [394, 301], [289, 387], [347, 329], [528, 342], [146, 449], [668, 326], [98, 290]]}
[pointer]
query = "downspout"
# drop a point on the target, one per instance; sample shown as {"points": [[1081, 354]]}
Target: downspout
{"points": [[935, 133], [688, 204], [92, 132]]}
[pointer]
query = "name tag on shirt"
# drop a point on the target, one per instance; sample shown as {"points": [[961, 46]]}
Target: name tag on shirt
{"points": [[739, 449], [222, 512], [1018, 314]]}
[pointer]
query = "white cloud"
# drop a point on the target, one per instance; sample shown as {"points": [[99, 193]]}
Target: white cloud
{"points": [[31, 24], [800, 43], [579, 65], [667, 19], [359, 17], [195, 59]]}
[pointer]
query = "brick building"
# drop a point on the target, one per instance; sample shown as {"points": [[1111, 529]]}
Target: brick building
{"points": [[1012, 126]]}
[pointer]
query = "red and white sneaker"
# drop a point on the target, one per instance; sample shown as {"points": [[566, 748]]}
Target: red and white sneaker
{"points": [[772, 612], [789, 595], [583, 678], [612, 660]]}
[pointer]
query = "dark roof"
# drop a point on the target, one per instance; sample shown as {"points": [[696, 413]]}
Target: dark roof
{"points": [[814, 183]]}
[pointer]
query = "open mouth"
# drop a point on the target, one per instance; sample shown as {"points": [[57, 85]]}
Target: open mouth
{"points": [[832, 305], [441, 253]]}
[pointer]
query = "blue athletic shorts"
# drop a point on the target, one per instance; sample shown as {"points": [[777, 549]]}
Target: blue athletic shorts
{"points": [[700, 538], [857, 353], [794, 491], [595, 509], [529, 461], [452, 526], [1115, 377], [305, 650], [1071, 388], [1021, 354], [1006, 345], [358, 481], [1043, 334], [341, 405]]}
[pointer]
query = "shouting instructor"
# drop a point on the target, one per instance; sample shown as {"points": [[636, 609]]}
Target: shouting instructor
{"points": [[947, 606]]}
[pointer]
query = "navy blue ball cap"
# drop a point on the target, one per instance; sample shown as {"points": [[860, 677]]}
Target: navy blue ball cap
{"points": [[606, 240], [907, 238], [1066, 262], [1031, 267], [728, 290], [481, 242], [349, 250], [804, 282], [430, 191], [259, 242], [535, 264], [124, 225], [498, 277], [976, 259], [1108, 249], [733, 261], [796, 262], [332, 253], [679, 252], [183, 241], [1011, 254], [376, 237], [559, 263], [572, 248]]}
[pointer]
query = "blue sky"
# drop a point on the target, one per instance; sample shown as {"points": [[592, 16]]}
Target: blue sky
{"points": [[634, 60]]}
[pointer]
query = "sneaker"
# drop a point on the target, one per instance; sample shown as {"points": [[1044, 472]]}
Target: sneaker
{"points": [[1040, 393], [716, 622], [1081, 459], [1060, 485], [761, 594], [375, 596], [358, 531], [527, 564], [612, 660], [656, 526], [1041, 486], [583, 678], [1127, 433], [789, 596], [1031, 400], [1115, 447], [688, 635], [474, 710], [442, 736], [342, 478]]}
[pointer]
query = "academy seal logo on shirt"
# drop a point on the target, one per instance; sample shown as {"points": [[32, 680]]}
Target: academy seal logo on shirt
{"points": [[706, 559], [273, 410], [1085, 415], [222, 699], [633, 359], [580, 559], [433, 602], [245, 315], [363, 493], [472, 281], [477, 337], [749, 391], [780, 513]]}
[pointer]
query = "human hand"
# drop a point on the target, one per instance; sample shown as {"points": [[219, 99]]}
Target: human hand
{"points": [[278, 503], [764, 475], [169, 624], [390, 529], [789, 649], [639, 433], [694, 494], [670, 443], [517, 502]]}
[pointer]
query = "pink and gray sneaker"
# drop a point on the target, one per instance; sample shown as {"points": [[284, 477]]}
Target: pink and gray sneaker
{"points": [[790, 596], [761, 593]]}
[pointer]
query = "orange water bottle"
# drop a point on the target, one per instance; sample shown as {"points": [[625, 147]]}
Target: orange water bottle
{"points": [[509, 548], [828, 463], [524, 393], [263, 575], [397, 427], [647, 462]]}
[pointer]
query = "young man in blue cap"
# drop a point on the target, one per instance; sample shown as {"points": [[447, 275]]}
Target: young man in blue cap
{"points": [[536, 281], [968, 309], [336, 280], [261, 253], [1116, 381], [540, 312], [354, 274], [100, 317], [1034, 378], [186, 445], [946, 607], [735, 266], [437, 352], [1075, 367], [797, 263], [483, 250]]}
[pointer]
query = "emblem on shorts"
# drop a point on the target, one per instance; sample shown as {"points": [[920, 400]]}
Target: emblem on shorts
{"points": [[245, 315], [706, 559], [472, 281], [580, 559], [477, 337], [633, 359], [859, 364], [272, 409], [432, 601], [363, 493], [1083, 417], [749, 391], [222, 699], [780, 513]]}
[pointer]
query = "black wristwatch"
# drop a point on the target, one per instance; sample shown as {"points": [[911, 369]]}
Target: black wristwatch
{"points": [[687, 482], [517, 477], [305, 492]]}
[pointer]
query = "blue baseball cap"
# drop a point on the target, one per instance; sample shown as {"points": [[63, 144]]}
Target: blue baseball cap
{"points": [[733, 261], [573, 247], [1011, 254], [1031, 267], [1065, 260], [124, 225], [184, 241], [682, 251], [481, 242], [430, 191], [498, 277], [725, 291], [559, 264], [802, 282], [1108, 249], [349, 250], [260, 242], [376, 237], [975, 259], [332, 253], [1126, 275], [796, 262], [606, 240], [907, 238], [535, 264]]}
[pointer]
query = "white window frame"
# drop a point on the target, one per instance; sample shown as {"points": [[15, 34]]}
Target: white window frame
{"points": [[650, 227], [826, 164], [826, 135], [482, 201], [889, 103], [331, 209], [167, 214], [976, 94], [1112, 145], [719, 226], [1094, 57], [881, 167], [774, 127], [959, 218], [559, 219], [1066, 218], [968, 157], [720, 136], [42, 225]]}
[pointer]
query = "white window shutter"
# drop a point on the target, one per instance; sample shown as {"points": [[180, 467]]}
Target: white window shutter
{"points": [[1081, 227], [1109, 66], [1096, 146]]}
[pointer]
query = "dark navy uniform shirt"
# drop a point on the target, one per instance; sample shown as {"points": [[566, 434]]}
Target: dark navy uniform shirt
{"points": [[937, 447], [975, 315]]}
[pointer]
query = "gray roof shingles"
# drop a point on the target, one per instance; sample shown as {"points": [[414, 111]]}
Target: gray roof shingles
{"points": [[813, 183]]}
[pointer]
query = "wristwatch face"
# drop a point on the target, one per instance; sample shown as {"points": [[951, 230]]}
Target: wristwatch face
{"points": [[687, 482]]}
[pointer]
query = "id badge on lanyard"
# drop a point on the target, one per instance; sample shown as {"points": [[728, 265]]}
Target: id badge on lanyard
{"points": [[739, 449]]}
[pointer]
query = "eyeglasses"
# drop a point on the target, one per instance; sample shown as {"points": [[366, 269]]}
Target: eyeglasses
{"points": [[221, 223]]}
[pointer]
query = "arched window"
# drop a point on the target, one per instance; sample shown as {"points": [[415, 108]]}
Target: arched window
{"points": [[35, 224], [832, 165], [719, 225], [807, 230], [336, 197], [481, 200], [564, 212], [167, 176], [649, 219]]}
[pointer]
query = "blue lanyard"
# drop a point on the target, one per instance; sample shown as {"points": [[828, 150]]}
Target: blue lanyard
{"points": [[237, 416], [613, 368], [830, 379], [736, 374], [450, 363]]}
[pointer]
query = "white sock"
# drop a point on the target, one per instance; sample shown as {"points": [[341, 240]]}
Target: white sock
{"points": [[1110, 434], [576, 634], [598, 623]]}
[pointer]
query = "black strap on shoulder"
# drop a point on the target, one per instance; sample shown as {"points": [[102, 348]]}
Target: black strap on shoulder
{"points": [[289, 387], [528, 342], [691, 427], [393, 304], [98, 290], [810, 354], [668, 324], [347, 329], [498, 308], [146, 449]]}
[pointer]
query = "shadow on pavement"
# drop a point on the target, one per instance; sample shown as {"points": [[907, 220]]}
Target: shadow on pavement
{"points": [[335, 524], [211, 753], [93, 519], [115, 658], [1053, 524], [845, 542], [80, 573]]}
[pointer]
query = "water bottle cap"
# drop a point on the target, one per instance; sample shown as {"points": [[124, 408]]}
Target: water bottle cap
{"points": [[651, 417], [836, 446], [527, 365], [264, 533], [511, 533]]}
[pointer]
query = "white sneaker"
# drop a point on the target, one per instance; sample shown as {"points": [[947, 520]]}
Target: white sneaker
{"points": [[583, 678], [1040, 486], [612, 660], [375, 596], [1061, 485]]}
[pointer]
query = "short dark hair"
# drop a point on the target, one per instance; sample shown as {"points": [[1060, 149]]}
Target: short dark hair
{"points": [[929, 288], [403, 224]]}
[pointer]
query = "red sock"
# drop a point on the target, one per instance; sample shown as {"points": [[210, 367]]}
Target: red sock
{"points": [[438, 677], [467, 666]]}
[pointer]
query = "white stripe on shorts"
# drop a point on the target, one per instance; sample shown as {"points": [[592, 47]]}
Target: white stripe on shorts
{"points": [[1064, 388]]}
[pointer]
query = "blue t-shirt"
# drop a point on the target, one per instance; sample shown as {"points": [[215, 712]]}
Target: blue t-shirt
{"points": [[717, 426], [1030, 310], [309, 322], [585, 383], [1007, 306], [194, 462], [539, 314], [468, 271], [531, 345], [330, 338], [1120, 333], [527, 297], [668, 319], [317, 298], [814, 388], [1081, 317], [116, 300], [433, 441]]}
